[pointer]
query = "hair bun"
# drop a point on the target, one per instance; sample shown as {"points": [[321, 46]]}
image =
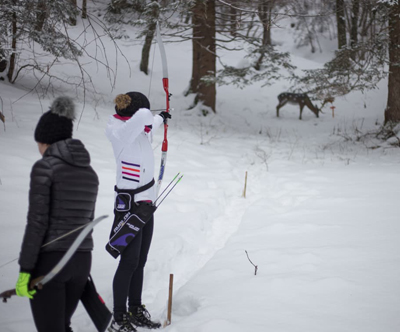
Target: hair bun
{"points": [[63, 106], [122, 101]]}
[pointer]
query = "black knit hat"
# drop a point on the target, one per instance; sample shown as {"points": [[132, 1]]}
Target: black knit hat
{"points": [[56, 124], [127, 104]]}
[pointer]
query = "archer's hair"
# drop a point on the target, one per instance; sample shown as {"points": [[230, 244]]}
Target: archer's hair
{"points": [[122, 101], [128, 103]]}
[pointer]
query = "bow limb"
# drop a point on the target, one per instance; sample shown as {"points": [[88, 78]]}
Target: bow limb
{"points": [[42, 280], [164, 147]]}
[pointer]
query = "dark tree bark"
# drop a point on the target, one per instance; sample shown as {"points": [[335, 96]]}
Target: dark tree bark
{"points": [[41, 14], [354, 23], [144, 62], [204, 53], [72, 19], [84, 8], [196, 48], [354, 26], [11, 67], [233, 19], [3, 66], [392, 112], [265, 13], [341, 23], [3, 62], [151, 29]]}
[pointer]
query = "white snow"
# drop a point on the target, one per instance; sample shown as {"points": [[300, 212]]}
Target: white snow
{"points": [[320, 218]]}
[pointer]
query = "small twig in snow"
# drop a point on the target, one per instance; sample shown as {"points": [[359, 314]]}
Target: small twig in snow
{"points": [[255, 266]]}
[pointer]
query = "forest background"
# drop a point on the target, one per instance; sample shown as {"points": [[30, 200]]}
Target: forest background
{"points": [[367, 34], [319, 217]]}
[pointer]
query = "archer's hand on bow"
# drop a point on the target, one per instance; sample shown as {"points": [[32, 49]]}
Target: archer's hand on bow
{"points": [[22, 287], [165, 115]]}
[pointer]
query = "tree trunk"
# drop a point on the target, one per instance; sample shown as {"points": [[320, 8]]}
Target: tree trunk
{"points": [[392, 112], [72, 19], [84, 8], [196, 52], [233, 19], [354, 26], [204, 53], [354, 23], [11, 67], [41, 14], [144, 62], [3, 63], [265, 14], [341, 23], [151, 28]]}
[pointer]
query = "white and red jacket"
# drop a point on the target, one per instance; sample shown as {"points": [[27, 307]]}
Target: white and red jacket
{"points": [[131, 140]]}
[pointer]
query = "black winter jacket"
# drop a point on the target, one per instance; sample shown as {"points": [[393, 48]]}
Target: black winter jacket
{"points": [[62, 197]]}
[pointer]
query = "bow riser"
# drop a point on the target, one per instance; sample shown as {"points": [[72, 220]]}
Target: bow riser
{"points": [[164, 147]]}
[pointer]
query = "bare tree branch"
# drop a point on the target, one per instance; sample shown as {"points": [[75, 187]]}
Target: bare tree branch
{"points": [[255, 266]]}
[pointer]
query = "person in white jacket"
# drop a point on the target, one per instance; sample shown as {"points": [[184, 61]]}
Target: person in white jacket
{"points": [[130, 132]]}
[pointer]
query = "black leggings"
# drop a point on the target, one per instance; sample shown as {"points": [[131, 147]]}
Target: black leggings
{"points": [[53, 306], [128, 279]]}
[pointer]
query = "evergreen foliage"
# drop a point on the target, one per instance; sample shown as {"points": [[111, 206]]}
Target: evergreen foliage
{"points": [[342, 74], [269, 71], [34, 35], [23, 22], [360, 64]]}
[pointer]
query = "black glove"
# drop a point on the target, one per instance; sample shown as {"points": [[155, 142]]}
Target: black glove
{"points": [[165, 115]]}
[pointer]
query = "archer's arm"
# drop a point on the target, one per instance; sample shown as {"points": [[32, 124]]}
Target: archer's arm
{"points": [[133, 127], [38, 215]]}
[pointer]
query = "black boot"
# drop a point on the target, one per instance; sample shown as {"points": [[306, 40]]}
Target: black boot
{"points": [[121, 323], [139, 316]]}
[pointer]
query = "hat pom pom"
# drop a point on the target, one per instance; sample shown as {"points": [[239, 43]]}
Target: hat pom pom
{"points": [[64, 106], [122, 101]]}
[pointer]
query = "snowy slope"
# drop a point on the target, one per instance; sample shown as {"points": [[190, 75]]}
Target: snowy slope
{"points": [[320, 217]]}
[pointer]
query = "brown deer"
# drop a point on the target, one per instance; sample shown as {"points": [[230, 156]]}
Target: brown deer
{"points": [[300, 99]]}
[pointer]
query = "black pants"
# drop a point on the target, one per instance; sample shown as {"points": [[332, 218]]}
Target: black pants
{"points": [[53, 306], [128, 279]]}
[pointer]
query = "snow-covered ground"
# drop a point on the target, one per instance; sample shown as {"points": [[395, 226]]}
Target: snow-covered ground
{"points": [[320, 218]]}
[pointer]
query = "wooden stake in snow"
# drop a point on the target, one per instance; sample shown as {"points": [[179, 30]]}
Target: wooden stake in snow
{"points": [[169, 313], [245, 185], [333, 111]]}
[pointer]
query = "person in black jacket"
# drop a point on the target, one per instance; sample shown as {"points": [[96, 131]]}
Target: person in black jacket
{"points": [[62, 197]]}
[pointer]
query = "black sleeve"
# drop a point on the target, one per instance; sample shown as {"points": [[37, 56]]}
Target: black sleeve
{"points": [[38, 215]]}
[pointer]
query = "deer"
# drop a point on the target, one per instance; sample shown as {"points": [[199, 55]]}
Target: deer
{"points": [[302, 100]]}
